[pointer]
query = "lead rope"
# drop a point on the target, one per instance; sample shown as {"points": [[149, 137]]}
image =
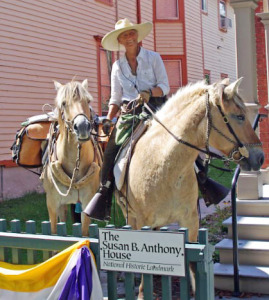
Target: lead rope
{"points": [[76, 169]]}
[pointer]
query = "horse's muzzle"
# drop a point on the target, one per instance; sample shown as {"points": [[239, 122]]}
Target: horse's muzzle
{"points": [[255, 160], [82, 128]]}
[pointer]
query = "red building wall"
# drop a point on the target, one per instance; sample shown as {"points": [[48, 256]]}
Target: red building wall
{"points": [[262, 82]]}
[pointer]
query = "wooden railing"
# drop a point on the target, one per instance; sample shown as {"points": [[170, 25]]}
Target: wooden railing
{"points": [[28, 248]]}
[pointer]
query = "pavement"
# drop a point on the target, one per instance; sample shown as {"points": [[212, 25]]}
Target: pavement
{"points": [[204, 211]]}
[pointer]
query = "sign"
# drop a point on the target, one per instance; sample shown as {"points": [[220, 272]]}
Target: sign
{"points": [[150, 252]]}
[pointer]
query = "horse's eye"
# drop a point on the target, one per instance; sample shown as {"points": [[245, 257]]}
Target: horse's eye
{"points": [[241, 117], [63, 103]]}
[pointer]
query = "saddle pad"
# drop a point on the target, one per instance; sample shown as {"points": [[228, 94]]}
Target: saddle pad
{"points": [[124, 154]]}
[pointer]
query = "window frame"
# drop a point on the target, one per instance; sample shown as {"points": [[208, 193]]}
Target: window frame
{"points": [[222, 28], [204, 11], [180, 8], [106, 2], [182, 60], [207, 73], [99, 48]]}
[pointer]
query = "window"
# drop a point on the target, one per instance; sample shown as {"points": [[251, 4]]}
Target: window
{"points": [[222, 15], [167, 10], [223, 75], [105, 71], [207, 76], [204, 5], [109, 2], [104, 65], [174, 73]]}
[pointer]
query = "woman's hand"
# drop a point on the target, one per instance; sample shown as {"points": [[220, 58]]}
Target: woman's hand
{"points": [[144, 97]]}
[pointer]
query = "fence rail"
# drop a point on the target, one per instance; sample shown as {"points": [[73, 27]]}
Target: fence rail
{"points": [[17, 247]]}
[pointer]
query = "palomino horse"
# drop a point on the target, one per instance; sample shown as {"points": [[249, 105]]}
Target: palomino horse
{"points": [[162, 185], [72, 172]]}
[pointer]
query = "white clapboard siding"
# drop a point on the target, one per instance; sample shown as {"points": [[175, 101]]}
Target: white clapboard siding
{"points": [[219, 46], [42, 41], [193, 33]]}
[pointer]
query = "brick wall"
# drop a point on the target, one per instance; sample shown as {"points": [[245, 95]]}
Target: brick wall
{"points": [[262, 82]]}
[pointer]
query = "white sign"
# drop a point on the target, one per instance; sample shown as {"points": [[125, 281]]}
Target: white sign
{"points": [[148, 252]]}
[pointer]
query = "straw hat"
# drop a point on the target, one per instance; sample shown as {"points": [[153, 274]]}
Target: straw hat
{"points": [[110, 40]]}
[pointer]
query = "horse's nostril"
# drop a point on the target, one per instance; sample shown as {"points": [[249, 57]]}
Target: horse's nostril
{"points": [[75, 127], [89, 126]]}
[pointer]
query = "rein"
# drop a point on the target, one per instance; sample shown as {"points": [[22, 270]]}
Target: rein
{"points": [[207, 152], [241, 148]]}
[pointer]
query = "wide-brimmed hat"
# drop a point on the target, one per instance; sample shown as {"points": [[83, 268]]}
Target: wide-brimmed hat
{"points": [[110, 40]]}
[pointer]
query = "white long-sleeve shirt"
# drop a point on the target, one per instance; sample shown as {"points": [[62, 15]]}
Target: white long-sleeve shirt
{"points": [[150, 73]]}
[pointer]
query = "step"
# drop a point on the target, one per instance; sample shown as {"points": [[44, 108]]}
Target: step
{"points": [[249, 228], [253, 279], [249, 252], [250, 185], [258, 207], [265, 191]]}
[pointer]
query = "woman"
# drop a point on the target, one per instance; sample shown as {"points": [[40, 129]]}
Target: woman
{"points": [[139, 72]]}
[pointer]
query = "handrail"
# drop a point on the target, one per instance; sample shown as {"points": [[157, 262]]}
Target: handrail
{"points": [[234, 218]]}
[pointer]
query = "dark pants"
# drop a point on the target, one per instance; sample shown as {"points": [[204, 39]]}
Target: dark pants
{"points": [[112, 149], [109, 157]]}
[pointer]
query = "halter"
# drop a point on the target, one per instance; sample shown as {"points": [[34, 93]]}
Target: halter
{"points": [[239, 148], [70, 124], [70, 127]]}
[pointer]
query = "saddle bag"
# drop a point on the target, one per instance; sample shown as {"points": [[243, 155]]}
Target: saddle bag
{"points": [[27, 147]]}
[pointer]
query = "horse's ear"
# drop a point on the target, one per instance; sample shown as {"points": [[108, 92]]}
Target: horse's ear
{"points": [[232, 88], [85, 84], [57, 85]]}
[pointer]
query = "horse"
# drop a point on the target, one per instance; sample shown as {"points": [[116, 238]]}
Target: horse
{"points": [[162, 186], [71, 174]]}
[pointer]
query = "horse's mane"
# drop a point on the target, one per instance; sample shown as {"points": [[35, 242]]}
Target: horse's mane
{"points": [[72, 91], [190, 94], [182, 98]]}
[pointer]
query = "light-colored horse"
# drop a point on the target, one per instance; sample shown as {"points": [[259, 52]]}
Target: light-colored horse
{"points": [[162, 185], [72, 173]]}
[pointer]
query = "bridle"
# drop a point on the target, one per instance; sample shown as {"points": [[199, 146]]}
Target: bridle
{"points": [[70, 124], [239, 148], [70, 127]]}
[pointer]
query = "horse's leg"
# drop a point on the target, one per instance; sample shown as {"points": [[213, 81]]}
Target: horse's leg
{"points": [[63, 213], [86, 221], [192, 223], [52, 210]]}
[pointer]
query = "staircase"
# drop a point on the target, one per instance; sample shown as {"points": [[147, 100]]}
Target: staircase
{"points": [[253, 237]]}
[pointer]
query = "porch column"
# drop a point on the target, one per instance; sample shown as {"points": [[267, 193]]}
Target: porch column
{"points": [[246, 51], [265, 20]]}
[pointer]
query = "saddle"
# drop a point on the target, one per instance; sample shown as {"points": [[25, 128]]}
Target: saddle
{"points": [[27, 148], [124, 155]]}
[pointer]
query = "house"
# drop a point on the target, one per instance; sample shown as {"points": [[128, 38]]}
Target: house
{"points": [[45, 40]]}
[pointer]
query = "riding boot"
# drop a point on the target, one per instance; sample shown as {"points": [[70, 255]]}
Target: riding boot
{"points": [[99, 206], [212, 191]]}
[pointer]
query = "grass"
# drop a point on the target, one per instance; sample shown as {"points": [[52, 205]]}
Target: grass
{"points": [[33, 207], [224, 178]]}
